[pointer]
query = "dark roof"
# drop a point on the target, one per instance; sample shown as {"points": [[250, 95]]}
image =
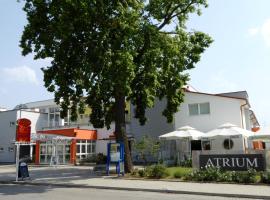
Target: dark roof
{"points": [[219, 95]]}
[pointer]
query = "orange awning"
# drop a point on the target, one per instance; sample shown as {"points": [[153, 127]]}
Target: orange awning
{"points": [[81, 134]]}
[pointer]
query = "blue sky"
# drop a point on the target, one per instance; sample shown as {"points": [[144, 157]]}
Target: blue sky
{"points": [[239, 58]]}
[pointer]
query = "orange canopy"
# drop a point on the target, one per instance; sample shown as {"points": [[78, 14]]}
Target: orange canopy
{"points": [[81, 134]]}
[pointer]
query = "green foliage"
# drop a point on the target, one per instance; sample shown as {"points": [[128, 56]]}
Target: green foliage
{"points": [[245, 177], [153, 171], [106, 49], [156, 171], [134, 172], [180, 171], [101, 159], [177, 174], [265, 177], [217, 175], [142, 173], [186, 163], [111, 51], [90, 159], [147, 146]]}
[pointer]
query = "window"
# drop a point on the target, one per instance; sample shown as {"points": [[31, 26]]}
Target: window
{"points": [[42, 110], [204, 108], [206, 145], [199, 108], [85, 149], [193, 109], [54, 117], [11, 149], [228, 144], [1, 149], [62, 151]]}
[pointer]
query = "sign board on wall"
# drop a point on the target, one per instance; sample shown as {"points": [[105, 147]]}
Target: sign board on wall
{"points": [[23, 133], [233, 162]]}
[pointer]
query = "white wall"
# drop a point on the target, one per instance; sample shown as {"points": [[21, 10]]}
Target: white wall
{"points": [[38, 120], [217, 145], [222, 110], [7, 135], [246, 121], [156, 124]]}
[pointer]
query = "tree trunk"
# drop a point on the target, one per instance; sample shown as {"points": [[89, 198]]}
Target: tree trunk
{"points": [[120, 130]]}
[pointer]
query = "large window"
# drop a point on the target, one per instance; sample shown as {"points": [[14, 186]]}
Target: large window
{"points": [[54, 117], [62, 152], [199, 109], [85, 149]]}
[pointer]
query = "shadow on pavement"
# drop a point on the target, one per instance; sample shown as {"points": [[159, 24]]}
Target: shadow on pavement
{"points": [[11, 189], [54, 175]]}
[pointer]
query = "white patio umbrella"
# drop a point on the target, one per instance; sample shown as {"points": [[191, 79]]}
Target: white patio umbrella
{"points": [[228, 130], [185, 132]]}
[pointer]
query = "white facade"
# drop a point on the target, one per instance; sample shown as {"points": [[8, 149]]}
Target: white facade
{"points": [[238, 146], [7, 134], [222, 110], [8, 121]]}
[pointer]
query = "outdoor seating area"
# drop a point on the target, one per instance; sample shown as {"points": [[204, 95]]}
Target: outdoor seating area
{"points": [[177, 146]]}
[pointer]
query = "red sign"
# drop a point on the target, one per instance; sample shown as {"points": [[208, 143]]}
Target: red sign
{"points": [[23, 130]]}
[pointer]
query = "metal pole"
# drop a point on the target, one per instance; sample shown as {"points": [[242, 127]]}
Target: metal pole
{"points": [[17, 161], [31, 152]]}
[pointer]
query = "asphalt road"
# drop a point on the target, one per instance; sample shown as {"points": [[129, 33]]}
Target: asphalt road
{"points": [[26, 192]]}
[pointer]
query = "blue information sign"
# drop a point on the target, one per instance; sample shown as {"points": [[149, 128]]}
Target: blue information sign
{"points": [[115, 155]]}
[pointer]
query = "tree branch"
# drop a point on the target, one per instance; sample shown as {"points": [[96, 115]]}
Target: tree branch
{"points": [[170, 32], [170, 15]]}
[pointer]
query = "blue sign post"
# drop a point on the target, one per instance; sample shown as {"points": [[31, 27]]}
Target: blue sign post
{"points": [[115, 155]]}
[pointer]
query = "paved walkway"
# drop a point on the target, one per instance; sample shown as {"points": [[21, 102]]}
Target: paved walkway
{"points": [[70, 176]]}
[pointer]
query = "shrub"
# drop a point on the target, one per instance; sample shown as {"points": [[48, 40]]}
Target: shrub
{"points": [[245, 177], [216, 174], [90, 159], [142, 173], [186, 163], [134, 172], [178, 174], [208, 174], [101, 159], [265, 177], [156, 171]]}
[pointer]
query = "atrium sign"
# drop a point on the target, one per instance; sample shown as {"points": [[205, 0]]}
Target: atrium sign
{"points": [[233, 162]]}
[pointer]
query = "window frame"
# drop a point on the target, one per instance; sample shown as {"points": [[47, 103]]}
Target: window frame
{"points": [[199, 109], [88, 144]]}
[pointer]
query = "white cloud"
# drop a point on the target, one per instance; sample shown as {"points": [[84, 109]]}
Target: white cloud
{"points": [[253, 31], [263, 31], [21, 74]]}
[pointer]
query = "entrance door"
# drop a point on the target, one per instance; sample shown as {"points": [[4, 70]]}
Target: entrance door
{"points": [[63, 153]]}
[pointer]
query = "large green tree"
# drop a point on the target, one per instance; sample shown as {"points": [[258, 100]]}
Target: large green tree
{"points": [[111, 51]]}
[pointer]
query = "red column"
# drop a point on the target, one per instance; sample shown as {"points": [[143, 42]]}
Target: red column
{"points": [[37, 152], [73, 152]]}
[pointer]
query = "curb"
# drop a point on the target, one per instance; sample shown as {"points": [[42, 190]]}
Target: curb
{"points": [[139, 189]]}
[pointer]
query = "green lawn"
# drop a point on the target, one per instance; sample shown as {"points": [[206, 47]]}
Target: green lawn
{"points": [[180, 171]]}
